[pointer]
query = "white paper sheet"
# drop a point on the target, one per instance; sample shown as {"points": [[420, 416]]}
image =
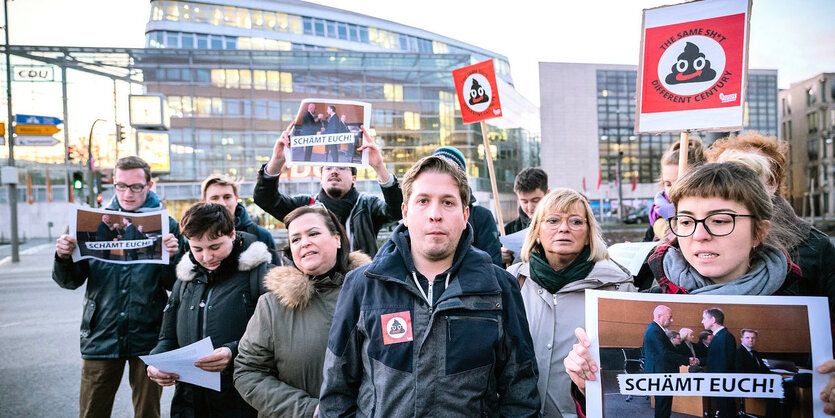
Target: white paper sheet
{"points": [[514, 241], [181, 362], [631, 254]]}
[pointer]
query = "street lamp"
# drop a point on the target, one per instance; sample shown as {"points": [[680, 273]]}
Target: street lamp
{"points": [[91, 197]]}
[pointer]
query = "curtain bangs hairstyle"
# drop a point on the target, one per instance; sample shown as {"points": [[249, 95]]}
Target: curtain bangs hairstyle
{"points": [[729, 181], [331, 222], [208, 220], [563, 200], [437, 164]]}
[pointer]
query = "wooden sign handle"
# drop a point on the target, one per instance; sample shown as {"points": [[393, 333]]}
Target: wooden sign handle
{"points": [[488, 155], [683, 152]]}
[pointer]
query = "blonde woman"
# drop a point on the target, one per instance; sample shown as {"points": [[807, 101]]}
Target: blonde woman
{"points": [[564, 254]]}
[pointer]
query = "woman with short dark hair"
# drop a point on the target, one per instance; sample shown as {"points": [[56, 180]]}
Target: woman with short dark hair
{"points": [[215, 294]]}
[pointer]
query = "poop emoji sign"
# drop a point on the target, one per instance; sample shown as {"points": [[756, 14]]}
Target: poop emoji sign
{"points": [[397, 327], [693, 67], [478, 94]]}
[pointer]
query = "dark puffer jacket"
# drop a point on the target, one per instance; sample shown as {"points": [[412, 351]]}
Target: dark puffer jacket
{"points": [[216, 305], [391, 354], [368, 216], [123, 302]]}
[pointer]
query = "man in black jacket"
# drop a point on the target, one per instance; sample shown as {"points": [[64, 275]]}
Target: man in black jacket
{"points": [[363, 215], [530, 186], [747, 359], [123, 304], [659, 354], [105, 232], [485, 231], [720, 355]]}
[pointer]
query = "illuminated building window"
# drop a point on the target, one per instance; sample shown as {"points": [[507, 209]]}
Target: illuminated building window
{"points": [[232, 79], [228, 16], [411, 121], [440, 47], [258, 20], [273, 80], [393, 92], [218, 78], [259, 79], [217, 106], [243, 18], [156, 11], [203, 106], [246, 78], [172, 11], [186, 12], [287, 82], [188, 109], [201, 14], [295, 24]]}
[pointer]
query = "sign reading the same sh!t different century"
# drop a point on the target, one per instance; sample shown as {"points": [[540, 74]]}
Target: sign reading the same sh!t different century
{"points": [[694, 65], [478, 93]]}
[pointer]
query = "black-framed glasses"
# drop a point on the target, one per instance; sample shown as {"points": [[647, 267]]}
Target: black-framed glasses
{"points": [[136, 188], [718, 224]]}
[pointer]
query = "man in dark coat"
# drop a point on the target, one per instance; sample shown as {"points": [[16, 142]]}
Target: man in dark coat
{"points": [[720, 355], [485, 230], [123, 304], [130, 233], [748, 360], [442, 331], [659, 354], [105, 232], [333, 126], [310, 126], [362, 215]]}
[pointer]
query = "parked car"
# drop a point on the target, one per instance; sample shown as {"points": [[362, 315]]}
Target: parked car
{"points": [[638, 216]]}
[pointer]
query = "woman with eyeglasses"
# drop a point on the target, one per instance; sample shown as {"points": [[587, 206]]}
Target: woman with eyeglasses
{"points": [[564, 254], [281, 356], [723, 214]]}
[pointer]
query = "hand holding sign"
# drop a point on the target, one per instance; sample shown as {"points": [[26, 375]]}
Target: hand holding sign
{"points": [[64, 246], [171, 244], [375, 156], [277, 160], [827, 395], [579, 364]]}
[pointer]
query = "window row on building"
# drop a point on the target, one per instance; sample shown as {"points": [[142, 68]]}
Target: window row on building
{"points": [[247, 18]]}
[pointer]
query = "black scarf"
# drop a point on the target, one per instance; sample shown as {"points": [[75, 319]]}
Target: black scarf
{"points": [[544, 275], [340, 207], [227, 267]]}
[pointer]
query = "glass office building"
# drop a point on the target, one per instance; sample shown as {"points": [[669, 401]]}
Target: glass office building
{"points": [[588, 113], [234, 74]]}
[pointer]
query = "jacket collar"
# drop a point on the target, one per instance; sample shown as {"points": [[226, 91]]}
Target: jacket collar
{"points": [[254, 254], [242, 219], [471, 268], [294, 289], [151, 204]]}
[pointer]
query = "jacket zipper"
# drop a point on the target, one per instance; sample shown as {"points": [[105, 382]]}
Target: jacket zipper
{"points": [[206, 312]]}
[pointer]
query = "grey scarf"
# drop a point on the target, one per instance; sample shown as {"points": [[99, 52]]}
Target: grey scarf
{"points": [[766, 274]]}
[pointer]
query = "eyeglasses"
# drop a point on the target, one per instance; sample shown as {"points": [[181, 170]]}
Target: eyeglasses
{"points": [[718, 224], [575, 223], [136, 188]]}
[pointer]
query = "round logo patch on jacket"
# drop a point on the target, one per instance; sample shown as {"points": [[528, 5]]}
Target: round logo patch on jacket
{"points": [[397, 327]]}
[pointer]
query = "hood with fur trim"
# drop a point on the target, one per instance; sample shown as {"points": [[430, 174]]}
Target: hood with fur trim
{"points": [[250, 258], [294, 288]]}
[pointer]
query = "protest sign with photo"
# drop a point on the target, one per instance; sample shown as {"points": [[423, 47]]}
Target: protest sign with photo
{"points": [[328, 132], [119, 237], [745, 353], [693, 68]]}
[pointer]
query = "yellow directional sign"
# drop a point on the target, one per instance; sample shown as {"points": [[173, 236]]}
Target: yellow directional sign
{"points": [[2, 128], [36, 129]]}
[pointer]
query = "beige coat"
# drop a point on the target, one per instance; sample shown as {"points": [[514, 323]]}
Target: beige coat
{"points": [[552, 319]]}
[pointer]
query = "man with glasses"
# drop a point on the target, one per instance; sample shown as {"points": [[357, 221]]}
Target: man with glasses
{"points": [[123, 304], [362, 215]]}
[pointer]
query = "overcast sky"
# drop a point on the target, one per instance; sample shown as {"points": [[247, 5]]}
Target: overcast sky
{"points": [[795, 37]]}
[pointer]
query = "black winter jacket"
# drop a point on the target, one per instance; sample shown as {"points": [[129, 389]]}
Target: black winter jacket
{"points": [[369, 215], [123, 302], [485, 231], [218, 306]]}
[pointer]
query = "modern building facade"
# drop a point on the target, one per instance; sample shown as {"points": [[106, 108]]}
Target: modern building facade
{"points": [[807, 117], [588, 123], [234, 73], [242, 68]]}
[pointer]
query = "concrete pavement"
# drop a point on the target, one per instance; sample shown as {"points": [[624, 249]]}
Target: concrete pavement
{"points": [[40, 368]]}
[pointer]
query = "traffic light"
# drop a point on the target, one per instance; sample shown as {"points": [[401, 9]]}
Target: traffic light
{"points": [[70, 153], [99, 199], [120, 132], [77, 180]]}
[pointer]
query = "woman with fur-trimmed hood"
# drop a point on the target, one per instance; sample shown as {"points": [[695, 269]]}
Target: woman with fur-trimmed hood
{"points": [[215, 294], [281, 356]]}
